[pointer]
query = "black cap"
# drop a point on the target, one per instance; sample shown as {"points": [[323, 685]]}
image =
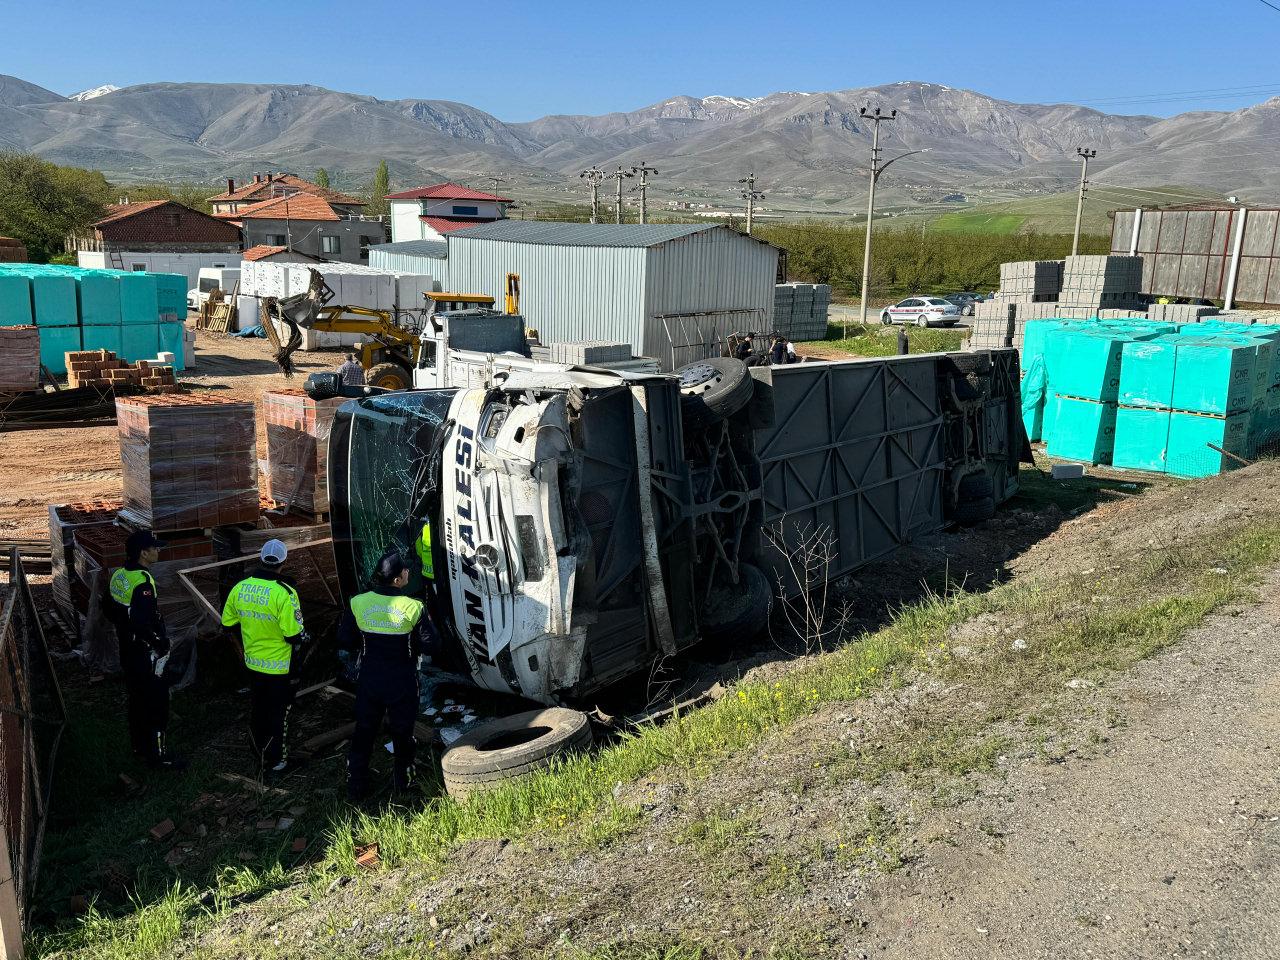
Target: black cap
{"points": [[390, 566], [141, 540]]}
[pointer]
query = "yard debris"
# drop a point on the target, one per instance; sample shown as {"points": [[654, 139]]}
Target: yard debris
{"points": [[162, 829], [367, 856]]}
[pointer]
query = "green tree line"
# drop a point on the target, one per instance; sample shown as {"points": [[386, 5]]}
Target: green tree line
{"points": [[906, 261]]}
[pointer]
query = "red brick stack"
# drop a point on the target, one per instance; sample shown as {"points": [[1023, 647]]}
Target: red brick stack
{"points": [[102, 368], [65, 520], [189, 462], [103, 545], [19, 359], [297, 448]]}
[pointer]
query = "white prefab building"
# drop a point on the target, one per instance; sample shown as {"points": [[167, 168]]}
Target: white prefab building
{"points": [[187, 264], [673, 291], [430, 213]]}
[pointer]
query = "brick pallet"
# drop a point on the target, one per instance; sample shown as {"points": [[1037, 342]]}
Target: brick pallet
{"points": [[102, 368], [800, 310], [297, 447], [188, 462], [65, 520], [19, 359]]}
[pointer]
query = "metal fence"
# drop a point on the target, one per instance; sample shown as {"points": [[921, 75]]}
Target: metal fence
{"points": [[1218, 253], [32, 718]]}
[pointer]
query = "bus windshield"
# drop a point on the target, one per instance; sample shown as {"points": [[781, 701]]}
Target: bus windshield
{"points": [[384, 471]]}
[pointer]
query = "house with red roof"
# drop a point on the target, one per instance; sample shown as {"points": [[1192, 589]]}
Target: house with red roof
{"points": [[429, 213], [271, 186]]}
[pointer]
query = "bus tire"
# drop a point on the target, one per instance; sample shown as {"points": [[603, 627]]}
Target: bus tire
{"points": [[512, 747]]}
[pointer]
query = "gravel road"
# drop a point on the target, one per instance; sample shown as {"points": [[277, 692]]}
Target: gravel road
{"points": [[1166, 845]]}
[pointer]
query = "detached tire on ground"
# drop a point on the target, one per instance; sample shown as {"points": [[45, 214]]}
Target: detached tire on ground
{"points": [[713, 390], [389, 376], [511, 747]]}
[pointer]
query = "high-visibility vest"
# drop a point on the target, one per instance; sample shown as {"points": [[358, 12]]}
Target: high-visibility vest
{"points": [[386, 614], [124, 582], [267, 613], [423, 547]]}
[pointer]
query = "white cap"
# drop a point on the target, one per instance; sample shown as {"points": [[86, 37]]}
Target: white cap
{"points": [[274, 551]]}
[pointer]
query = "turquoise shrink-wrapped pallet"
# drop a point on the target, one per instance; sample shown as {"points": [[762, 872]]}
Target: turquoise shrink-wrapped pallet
{"points": [[99, 299], [55, 344], [1084, 364], [1141, 438], [1189, 453], [139, 341], [54, 299], [1214, 375], [15, 301], [1147, 372], [1082, 430], [101, 338], [171, 336], [139, 299], [171, 293]]}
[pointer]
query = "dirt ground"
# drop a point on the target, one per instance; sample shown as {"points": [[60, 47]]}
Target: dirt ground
{"points": [[39, 467]]}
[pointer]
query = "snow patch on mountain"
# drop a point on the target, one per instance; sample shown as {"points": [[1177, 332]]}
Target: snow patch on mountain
{"points": [[95, 92]]}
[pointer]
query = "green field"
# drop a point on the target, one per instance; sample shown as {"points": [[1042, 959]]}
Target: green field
{"points": [[1053, 213], [998, 223]]}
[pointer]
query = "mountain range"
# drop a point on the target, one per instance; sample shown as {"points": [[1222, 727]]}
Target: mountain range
{"points": [[808, 150]]}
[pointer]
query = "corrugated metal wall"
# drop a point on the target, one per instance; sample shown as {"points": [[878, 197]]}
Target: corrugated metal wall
{"points": [[703, 287], [407, 263], [566, 293]]}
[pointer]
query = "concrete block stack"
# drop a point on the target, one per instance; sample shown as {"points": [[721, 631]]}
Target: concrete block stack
{"points": [[188, 462], [1180, 312], [102, 368], [134, 315], [1030, 281], [297, 448], [589, 352], [19, 359], [800, 310], [1093, 283]]}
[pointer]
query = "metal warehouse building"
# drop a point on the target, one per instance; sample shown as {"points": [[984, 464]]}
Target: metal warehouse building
{"points": [[670, 290]]}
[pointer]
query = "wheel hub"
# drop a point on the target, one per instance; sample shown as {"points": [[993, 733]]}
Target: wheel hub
{"points": [[697, 375]]}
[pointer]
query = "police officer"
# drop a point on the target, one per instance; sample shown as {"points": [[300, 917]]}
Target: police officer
{"points": [[266, 609], [144, 648], [386, 626], [422, 546]]}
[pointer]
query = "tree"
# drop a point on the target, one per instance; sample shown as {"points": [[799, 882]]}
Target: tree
{"points": [[40, 202], [378, 205], [322, 178], [193, 195]]}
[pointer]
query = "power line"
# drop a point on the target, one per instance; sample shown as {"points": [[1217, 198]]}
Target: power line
{"points": [[1271, 5]]}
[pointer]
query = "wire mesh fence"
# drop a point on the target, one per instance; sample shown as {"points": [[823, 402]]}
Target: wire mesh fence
{"points": [[32, 719]]}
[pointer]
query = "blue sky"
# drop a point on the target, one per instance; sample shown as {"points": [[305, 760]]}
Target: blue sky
{"points": [[523, 60]]}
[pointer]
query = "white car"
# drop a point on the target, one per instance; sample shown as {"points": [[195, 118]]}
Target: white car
{"points": [[922, 311]]}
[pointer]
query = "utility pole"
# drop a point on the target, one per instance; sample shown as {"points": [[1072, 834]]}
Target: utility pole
{"points": [[751, 195], [617, 203], [594, 176], [1085, 156], [644, 183], [876, 119], [496, 181]]}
